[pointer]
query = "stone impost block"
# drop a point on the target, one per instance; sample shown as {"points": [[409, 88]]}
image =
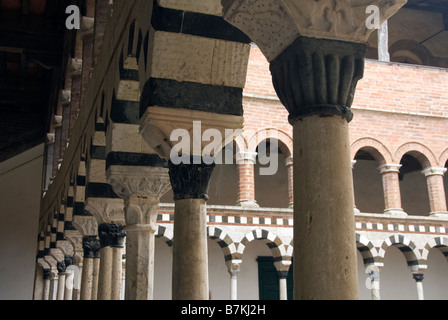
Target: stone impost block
{"points": [[274, 24], [167, 128]]}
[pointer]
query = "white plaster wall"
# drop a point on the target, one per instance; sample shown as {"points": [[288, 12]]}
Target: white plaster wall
{"points": [[20, 185]]}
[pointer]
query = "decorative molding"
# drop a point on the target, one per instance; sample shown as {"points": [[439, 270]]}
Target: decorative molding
{"points": [[434, 172], [106, 210]]}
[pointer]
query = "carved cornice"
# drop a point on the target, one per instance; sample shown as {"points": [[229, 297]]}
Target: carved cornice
{"points": [[190, 180], [274, 24]]}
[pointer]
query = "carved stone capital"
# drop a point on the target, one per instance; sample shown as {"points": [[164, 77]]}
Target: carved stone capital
{"points": [[91, 246], [151, 182], [111, 235], [191, 179], [86, 225], [318, 77], [434, 171], [274, 24]]}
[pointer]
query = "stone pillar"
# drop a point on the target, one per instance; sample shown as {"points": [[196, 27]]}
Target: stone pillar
{"points": [[141, 188], [246, 179], [47, 284], [112, 243], [418, 277], [383, 42], [375, 285], [290, 167], [436, 190], [69, 278], [190, 183], [91, 246], [53, 285], [61, 280], [391, 187], [234, 270], [315, 66], [323, 180]]}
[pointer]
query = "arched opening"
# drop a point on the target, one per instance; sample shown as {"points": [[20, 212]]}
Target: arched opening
{"points": [[396, 282], [413, 185], [369, 194], [219, 277], [271, 175], [435, 283], [445, 183]]}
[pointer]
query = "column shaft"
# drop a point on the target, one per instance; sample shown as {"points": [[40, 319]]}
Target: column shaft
{"points": [[87, 279], [436, 189], [325, 260], [105, 274], [190, 260], [391, 187], [246, 179]]}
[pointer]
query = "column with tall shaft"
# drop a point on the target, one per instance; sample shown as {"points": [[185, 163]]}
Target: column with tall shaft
{"points": [[316, 50]]}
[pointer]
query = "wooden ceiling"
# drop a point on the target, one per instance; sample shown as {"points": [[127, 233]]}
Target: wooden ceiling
{"points": [[429, 5], [31, 60]]}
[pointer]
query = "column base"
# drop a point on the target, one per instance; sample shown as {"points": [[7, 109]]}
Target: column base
{"points": [[396, 213], [248, 204], [439, 214]]}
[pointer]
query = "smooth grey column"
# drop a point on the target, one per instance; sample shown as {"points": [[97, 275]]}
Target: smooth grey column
{"points": [[112, 243], [47, 284], [190, 183], [315, 80], [61, 280], [91, 246]]}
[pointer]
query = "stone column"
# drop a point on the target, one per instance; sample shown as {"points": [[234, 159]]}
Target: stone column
{"points": [[69, 278], [418, 277], [91, 247], [112, 243], [190, 182], [324, 233], [383, 42], [391, 187], [436, 190], [375, 285], [234, 270], [47, 284], [290, 168], [61, 280], [315, 65], [141, 188], [53, 285], [246, 179]]}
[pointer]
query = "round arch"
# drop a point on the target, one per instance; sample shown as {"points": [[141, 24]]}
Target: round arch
{"points": [[275, 244], [378, 150], [406, 246], [422, 153], [285, 141]]}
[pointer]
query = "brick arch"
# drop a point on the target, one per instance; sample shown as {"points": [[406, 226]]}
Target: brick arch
{"points": [[440, 243], [284, 139], [224, 241], [279, 251], [406, 246], [366, 249], [422, 153], [377, 149], [443, 158], [411, 49]]}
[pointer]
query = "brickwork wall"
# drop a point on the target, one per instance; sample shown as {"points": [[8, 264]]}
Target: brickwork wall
{"points": [[403, 107]]}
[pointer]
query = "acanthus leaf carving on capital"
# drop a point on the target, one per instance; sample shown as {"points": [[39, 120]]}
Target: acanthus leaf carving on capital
{"points": [[87, 226], [274, 24], [150, 182], [106, 210]]}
